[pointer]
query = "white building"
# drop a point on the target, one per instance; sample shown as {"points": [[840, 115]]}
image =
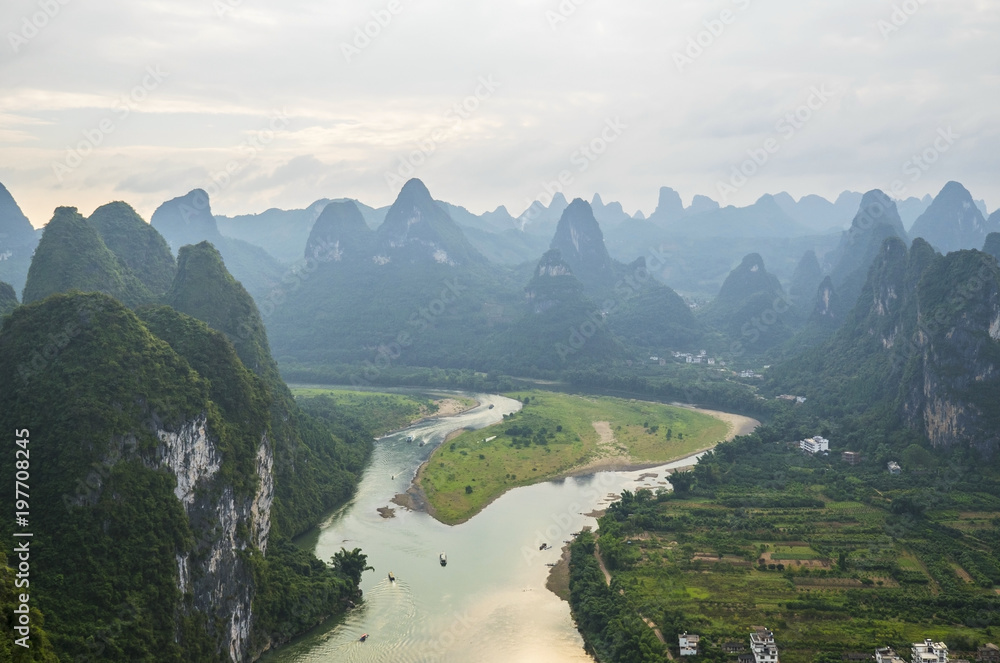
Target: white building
{"points": [[688, 644], [815, 444], [763, 647], [894, 467], [887, 655], [929, 651]]}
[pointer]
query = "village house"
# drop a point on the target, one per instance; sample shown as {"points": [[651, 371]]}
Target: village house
{"points": [[688, 644], [887, 655], [733, 647], [763, 647], [988, 653], [815, 444], [929, 651], [851, 457], [894, 467]]}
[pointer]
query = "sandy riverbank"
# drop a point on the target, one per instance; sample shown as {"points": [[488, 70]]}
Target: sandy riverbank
{"points": [[614, 458]]}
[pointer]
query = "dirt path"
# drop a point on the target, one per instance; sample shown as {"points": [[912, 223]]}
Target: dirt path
{"points": [[607, 578], [600, 562]]}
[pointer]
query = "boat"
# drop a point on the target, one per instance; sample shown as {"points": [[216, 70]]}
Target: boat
{"points": [[392, 578], [423, 442], [409, 438], [444, 559], [363, 637], [491, 406]]}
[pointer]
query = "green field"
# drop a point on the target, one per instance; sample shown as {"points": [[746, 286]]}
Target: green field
{"points": [[375, 411], [760, 540], [553, 435]]}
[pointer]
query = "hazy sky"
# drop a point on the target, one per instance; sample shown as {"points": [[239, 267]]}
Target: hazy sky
{"points": [[490, 102]]}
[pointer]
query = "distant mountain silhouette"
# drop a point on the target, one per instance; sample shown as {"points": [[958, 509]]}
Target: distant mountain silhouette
{"points": [[953, 221]]}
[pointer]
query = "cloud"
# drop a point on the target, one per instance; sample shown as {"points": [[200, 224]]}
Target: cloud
{"points": [[352, 121]]}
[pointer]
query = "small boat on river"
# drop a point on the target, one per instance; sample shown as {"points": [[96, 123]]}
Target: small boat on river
{"points": [[444, 559], [392, 578], [409, 438], [363, 638]]}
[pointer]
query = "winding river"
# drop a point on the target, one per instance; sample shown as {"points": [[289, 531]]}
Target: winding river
{"points": [[489, 604]]}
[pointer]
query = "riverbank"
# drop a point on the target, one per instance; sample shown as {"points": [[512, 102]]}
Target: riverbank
{"points": [[557, 436]]}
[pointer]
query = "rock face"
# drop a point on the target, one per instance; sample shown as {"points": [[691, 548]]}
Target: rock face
{"points": [[219, 580], [952, 222], [553, 284], [954, 353]]}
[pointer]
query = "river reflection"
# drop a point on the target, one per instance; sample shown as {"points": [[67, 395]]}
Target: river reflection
{"points": [[489, 604]]}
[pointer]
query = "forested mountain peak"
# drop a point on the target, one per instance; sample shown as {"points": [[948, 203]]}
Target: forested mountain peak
{"points": [[136, 244], [72, 256], [417, 229], [340, 232], [580, 242]]}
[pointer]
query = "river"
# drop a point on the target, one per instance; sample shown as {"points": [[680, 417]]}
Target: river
{"points": [[489, 604]]}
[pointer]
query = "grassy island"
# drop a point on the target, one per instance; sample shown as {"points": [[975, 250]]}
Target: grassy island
{"points": [[557, 435]]}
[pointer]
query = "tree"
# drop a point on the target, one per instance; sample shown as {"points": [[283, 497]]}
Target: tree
{"points": [[468, 490], [682, 482], [352, 564]]}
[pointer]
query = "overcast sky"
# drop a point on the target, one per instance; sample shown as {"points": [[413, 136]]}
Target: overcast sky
{"points": [[143, 100]]}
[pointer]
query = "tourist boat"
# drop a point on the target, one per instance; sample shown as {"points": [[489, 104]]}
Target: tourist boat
{"points": [[491, 406], [392, 578], [409, 438], [363, 637], [444, 559], [423, 442]]}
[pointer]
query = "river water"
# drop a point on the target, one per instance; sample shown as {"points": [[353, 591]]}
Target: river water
{"points": [[489, 604]]}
